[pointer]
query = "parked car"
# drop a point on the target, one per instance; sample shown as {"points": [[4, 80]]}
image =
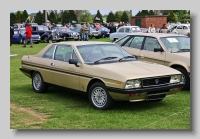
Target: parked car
{"points": [[96, 33], [105, 32], [18, 25], [162, 48], [102, 70], [182, 29], [78, 27], [123, 31], [44, 32], [19, 36], [65, 33]]}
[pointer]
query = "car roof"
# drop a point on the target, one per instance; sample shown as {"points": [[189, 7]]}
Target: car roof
{"points": [[75, 43], [155, 34]]}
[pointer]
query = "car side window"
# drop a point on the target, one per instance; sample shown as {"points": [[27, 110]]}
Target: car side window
{"points": [[121, 30], [151, 43], [120, 42], [49, 53], [137, 42], [63, 53], [127, 30], [184, 27], [179, 27]]}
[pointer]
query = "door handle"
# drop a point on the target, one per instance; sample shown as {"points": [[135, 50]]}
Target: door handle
{"points": [[142, 56], [52, 64]]}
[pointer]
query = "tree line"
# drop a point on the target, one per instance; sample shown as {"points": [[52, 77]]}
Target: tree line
{"points": [[79, 16]]}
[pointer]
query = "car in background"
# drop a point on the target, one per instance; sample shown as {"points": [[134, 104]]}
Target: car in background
{"points": [[167, 49], [65, 33], [123, 31], [102, 70], [19, 36], [182, 29], [105, 32]]}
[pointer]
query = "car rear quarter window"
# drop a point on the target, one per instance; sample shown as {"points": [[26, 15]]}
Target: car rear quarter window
{"points": [[151, 43], [127, 30], [121, 30], [135, 42], [120, 42], [49, 53]]}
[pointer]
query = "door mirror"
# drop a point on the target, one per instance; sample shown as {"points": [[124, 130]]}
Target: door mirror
{"points": [[74, 61], [158, 50]]}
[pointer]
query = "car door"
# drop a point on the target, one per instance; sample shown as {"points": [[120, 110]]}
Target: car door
{"points": [[133, 45], [65, 74], [147, 53], [120, 33], [179, 29], [16, 36]]}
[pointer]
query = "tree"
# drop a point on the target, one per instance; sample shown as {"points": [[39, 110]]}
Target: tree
{"points": [[124, 17], [64, 18], [144, 13], [38, 18], [18, 17], [110, 17], [138, 14], [151, 12], [98, 17], [117, 17], [72, 16], [52, 17], [24, 16], [12, 18], [86, 16], [172, 17]]}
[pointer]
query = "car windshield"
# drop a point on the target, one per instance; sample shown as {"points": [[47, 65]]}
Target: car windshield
{"points": [[176, 43], [98, 53]]}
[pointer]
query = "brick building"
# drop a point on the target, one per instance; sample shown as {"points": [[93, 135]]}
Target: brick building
{"points": [[145, 21]]}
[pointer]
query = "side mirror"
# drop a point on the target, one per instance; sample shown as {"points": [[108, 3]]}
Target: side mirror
{"points": [[158, 50], [74, 61]]}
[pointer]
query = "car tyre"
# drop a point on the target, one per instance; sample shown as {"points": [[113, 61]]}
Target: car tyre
{"points": [[99, 97], [186, 78], [38, 83], [97, 37]]}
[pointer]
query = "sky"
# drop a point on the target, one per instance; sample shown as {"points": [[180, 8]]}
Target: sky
{"points": [[134, 12]]}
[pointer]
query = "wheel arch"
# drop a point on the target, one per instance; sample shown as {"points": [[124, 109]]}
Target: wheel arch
{"points": [[94, 80]]}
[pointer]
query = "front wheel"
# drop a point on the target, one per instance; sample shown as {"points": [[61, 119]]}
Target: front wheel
{"points": [[99, 97], [185, 78], [38, 84]]}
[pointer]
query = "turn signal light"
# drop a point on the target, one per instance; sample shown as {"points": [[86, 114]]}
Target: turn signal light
{"points": [[131, 95]]}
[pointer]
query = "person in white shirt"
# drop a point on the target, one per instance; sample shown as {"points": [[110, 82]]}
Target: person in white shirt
{"points": [[152, 29]]}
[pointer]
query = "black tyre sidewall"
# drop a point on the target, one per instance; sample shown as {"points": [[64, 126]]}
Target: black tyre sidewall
{"points": [[187, 78], [110, 101]]}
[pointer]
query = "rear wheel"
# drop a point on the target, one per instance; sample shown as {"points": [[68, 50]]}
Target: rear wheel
{"points": [[38, 84], [185, 78], [99, 97]]}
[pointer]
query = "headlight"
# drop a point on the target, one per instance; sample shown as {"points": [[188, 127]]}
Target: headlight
{"points": [[175, 78], [133, 84], [39, 37]]}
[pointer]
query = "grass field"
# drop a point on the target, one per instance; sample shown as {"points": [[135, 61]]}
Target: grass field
{"points": [[61, 108]]}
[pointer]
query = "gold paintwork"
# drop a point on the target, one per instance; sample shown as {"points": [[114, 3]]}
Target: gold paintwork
{"points": [[78, 78]]}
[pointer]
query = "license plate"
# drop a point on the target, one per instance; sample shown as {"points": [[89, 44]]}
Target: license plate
{"points": [[156, 96]]}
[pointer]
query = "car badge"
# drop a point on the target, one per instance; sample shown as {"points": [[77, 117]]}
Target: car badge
{"points": [[156, 81]]}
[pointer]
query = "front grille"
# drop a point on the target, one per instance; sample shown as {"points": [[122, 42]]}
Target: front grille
{"points": [[155, 81]]}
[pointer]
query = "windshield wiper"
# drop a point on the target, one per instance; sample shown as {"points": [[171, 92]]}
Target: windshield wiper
{"points": [[106, 58], [126, 57]]}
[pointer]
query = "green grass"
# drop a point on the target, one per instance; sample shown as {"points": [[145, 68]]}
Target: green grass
{"points": [[61, 108]]}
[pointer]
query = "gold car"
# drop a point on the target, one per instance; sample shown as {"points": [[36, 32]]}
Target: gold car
{"points": [[171, 50], [105, 71]]}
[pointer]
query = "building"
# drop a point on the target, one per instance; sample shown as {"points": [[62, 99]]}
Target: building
{"points": [[146, 21]]}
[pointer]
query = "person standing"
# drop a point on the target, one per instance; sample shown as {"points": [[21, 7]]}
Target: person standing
{"points": [[152, 29], [86, 31], [11, 35], [112, 28], [28, 33], [164, 29], [82, 32]]}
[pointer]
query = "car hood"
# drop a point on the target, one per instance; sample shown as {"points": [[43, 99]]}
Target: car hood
{"points": [[137, 69]]}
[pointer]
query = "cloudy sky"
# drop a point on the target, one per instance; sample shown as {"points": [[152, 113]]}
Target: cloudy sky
{"points": [[92, 11]]}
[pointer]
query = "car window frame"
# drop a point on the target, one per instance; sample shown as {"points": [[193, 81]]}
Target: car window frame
{"points": [[145, 41]]}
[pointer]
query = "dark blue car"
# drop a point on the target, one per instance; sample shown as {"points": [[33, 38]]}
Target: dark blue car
{"points": [[105, 32], [19, 36]]}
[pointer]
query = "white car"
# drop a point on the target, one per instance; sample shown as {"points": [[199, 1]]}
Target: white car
{"points": [[123, 31], [182, 29]]}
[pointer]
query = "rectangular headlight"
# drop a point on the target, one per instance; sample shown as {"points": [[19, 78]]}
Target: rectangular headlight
{"points": [[176, 78], [133, 84]]}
